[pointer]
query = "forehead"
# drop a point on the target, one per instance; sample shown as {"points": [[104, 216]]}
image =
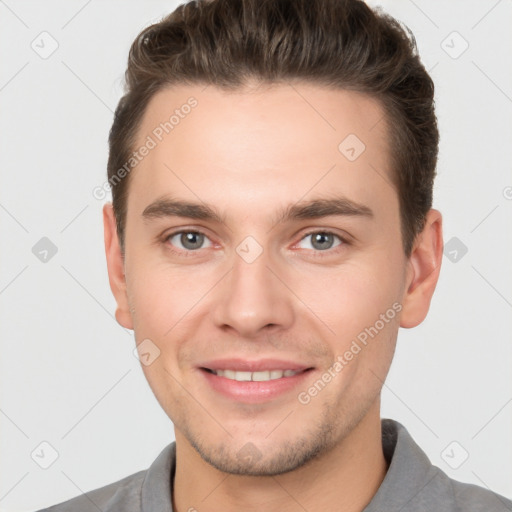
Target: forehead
{"points": [[262, 144]]}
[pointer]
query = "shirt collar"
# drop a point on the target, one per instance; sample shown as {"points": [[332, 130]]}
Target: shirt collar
{"points": [[156, 488], [409, 471]]}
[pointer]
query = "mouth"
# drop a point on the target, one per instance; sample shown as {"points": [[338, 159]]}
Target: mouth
{"points": [[253, 387], [261, 376]]}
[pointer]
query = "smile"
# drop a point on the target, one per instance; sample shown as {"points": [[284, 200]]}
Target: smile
{"points": [[244, 376]]}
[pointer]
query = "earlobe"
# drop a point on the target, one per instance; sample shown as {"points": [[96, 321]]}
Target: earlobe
{"points": [[115, 267], [424, 266]]}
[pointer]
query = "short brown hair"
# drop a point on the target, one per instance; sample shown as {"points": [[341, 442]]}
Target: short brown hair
{"points": [[336, 43]]}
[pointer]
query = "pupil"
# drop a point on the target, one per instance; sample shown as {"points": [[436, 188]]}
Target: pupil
{"points": [[321, 238], [188, 238]]}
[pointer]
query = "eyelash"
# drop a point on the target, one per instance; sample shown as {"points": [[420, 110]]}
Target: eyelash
{"points": [[316, 253]]}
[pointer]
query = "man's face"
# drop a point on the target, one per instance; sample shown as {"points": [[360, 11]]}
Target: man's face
{"points": [[289, 294]]}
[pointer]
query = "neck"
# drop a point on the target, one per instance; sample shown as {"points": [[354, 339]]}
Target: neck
{"points": [[345, 478]]}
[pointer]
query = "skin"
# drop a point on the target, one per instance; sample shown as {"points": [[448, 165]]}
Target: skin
{"points": [[250, 153]]}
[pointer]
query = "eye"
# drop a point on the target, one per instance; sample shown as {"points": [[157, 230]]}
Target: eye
{"points": [[322, 240], [189, 240]]}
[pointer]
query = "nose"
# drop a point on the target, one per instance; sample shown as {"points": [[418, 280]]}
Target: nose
{"points": [[253, 298]]}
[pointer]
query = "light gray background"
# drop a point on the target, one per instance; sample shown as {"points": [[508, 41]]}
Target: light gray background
{"points": [[69, 376]]}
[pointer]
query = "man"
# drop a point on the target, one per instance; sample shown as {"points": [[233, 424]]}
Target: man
{"points": [[272, 165]]}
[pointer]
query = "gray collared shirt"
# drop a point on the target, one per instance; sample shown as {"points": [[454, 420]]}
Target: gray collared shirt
{"points": [[411, 484]]}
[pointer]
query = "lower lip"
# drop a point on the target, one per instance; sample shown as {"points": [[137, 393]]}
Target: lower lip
{"points": [[254, 392]]}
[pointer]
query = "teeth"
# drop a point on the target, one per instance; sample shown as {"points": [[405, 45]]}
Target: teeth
{"points": [[255, 376]]}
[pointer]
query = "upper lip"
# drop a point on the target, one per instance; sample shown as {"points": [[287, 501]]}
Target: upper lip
{"points": [[253, 365]]}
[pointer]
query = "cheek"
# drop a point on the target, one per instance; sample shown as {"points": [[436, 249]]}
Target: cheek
{"points": [[350, 297], [160, 295], [362, 310], [163, 380]]}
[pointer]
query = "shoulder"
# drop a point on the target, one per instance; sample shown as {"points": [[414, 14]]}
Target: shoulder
{"points": [[473, 498], [125, 495], [414, 484], [149, 489]]}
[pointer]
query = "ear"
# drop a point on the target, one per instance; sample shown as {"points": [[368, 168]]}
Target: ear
{"points": [[423, 270], [115, 266]]}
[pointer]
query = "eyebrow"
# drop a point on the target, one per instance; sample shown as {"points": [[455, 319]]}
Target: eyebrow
{"points": [[313, 209]]}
